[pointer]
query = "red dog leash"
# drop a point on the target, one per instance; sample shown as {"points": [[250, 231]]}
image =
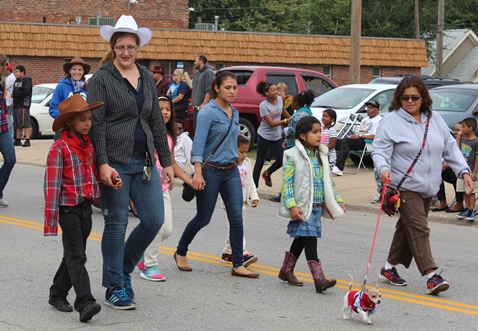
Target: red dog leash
{"points": [[385, 184]]}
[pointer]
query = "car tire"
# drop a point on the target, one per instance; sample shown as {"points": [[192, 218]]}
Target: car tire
{"points": [[247, 130], [35, 131]]}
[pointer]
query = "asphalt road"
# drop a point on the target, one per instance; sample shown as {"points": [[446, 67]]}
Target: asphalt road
{"points": [[209, 298]]}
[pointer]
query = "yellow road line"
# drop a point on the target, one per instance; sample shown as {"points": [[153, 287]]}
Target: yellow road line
{"points": [[424, 300]]}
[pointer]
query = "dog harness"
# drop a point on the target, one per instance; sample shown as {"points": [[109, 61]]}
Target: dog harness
{"points": [[360, 300]]}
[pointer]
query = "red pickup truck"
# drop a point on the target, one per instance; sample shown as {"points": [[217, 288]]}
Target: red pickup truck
{"points": [[248, 100]]}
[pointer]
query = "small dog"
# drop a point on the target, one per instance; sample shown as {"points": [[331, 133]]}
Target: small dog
{"points": [[362, 302]]}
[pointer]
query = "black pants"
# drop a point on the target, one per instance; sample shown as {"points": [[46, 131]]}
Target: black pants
{"points": [[449, 176], [344, 146], [75, 222]]}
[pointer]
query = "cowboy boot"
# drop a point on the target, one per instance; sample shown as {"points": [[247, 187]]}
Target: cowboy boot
{"points": [[321, 283], [287, 270]]}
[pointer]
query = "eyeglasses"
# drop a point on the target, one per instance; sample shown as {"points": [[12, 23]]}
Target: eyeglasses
{"points": [[130, 49], [175, 75], [408, 97]]}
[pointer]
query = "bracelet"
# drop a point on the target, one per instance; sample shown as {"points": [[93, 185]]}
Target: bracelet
{"points": [[285, 121]]}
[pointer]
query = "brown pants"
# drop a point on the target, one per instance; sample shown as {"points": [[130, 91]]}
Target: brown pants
{"points": [[412, 234]]}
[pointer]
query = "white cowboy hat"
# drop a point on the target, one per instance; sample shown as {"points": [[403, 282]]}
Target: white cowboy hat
{"points": [[126, 23]]}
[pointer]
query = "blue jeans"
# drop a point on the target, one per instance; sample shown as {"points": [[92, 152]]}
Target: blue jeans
{"points": [[120, 257], [9, 159], [228, 184]]}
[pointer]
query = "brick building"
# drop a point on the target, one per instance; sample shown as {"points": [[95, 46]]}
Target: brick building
{"points": [[43, 47], [150, 13]]}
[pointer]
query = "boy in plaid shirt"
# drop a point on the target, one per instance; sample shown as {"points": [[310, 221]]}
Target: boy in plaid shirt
{"points": [[70, 186]]}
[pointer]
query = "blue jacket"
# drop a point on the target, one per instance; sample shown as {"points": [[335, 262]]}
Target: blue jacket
{"points": [[63, 90]]}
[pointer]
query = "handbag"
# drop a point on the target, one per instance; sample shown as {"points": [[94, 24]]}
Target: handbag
{"points": [[391, 196], [189, 193]]}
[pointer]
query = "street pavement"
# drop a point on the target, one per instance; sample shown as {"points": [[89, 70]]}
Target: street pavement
{"points": [[356, 189], [209, 298]]}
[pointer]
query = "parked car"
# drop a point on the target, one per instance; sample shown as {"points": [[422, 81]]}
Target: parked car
{"points": [[430, 81], [455, 102], [349, 99], [248, 100], [39, 114]]}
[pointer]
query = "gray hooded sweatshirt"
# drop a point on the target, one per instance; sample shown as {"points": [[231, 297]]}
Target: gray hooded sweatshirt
{"points": [[399, 139]]}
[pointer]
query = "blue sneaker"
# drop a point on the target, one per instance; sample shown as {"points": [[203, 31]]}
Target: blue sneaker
{"points": [[118, 299], [471, 216], [127, 286], [464, 214]]}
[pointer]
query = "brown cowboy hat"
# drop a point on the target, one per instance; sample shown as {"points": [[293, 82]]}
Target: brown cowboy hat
{"points": [[76, 60], [71, 107]]}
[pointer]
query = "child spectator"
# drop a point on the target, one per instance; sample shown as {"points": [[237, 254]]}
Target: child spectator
{"points": [[70, 186], [250, 196], [148, 264], [183, 146], [468, 143], [329, 134], [301, 101], [307, 190]]}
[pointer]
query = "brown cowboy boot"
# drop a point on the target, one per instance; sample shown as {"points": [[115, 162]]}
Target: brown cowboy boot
{"points": [[321, 283], [287, 270]]}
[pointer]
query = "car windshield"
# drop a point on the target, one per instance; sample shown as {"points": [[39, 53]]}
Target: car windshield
{"points": [[458, 100], [342, 98], [40, 93]]}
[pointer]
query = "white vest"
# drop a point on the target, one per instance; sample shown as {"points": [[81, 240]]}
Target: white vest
{"points": [[303, 183]]}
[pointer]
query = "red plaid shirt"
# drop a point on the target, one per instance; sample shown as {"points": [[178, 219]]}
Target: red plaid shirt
{"points": [[69, 177]]}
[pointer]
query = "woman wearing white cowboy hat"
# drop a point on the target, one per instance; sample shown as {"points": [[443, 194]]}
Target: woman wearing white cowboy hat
{"points": [[72, 83], [125, 133]]}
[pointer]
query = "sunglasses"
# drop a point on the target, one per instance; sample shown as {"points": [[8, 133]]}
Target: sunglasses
{"points": [[408, 97]]}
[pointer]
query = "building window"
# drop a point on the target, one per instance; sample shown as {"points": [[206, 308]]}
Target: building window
{"points": [[377, 72], [327, 71], [219, 65]]}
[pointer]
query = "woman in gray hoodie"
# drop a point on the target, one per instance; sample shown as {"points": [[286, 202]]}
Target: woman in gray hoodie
{"points": [[399, 139]]}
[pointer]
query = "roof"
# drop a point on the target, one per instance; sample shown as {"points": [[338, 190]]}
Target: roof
{"points": [[459, 55], [81, 40]]}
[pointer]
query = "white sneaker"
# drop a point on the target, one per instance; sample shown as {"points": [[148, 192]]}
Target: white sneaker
{"points": [[376, 199], [337, 171], [3, 203]]}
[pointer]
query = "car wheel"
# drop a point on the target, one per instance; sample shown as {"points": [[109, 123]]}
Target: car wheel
{"points": [[35, 132], [246, 129]]}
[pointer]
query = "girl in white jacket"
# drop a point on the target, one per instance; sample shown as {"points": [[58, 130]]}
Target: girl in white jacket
{"points": [[307, 191], [250, 195]]}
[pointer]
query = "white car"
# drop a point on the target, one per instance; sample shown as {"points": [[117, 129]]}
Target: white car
{"points": [[349, 99], [39, 114]]}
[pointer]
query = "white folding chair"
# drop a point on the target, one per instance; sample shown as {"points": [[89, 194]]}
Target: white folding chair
{"points": [[361, 153]]}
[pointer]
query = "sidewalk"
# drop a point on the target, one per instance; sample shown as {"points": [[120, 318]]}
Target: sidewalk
{"points": [[357, 190]]}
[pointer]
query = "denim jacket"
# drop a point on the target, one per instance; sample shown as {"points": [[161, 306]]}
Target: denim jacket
{"points": [[212, 125]]}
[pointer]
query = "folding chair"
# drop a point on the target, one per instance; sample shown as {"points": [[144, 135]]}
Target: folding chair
{"points": [[350, 124], [361, 153]]}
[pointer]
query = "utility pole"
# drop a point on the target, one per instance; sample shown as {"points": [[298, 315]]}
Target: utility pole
{"points": [[439, 50], [355, 36], [417, 21]]}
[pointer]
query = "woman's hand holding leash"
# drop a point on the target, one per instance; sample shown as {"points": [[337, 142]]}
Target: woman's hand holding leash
{"points": [[386, 176]]}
